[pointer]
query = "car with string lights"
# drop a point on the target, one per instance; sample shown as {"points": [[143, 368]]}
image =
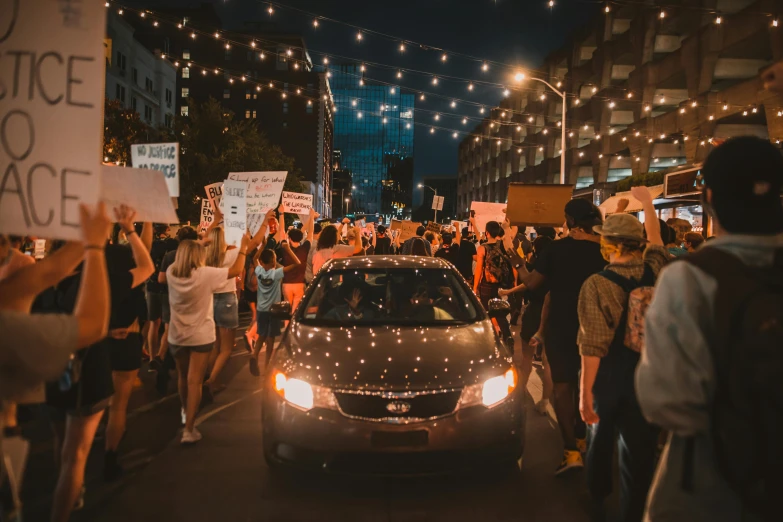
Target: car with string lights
{"points": [[390, 365]]}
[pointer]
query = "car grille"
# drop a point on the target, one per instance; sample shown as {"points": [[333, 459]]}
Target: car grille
{"points": [[409, 406]]}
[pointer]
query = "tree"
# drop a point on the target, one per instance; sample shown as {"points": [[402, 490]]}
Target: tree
{"points": [[212, 144], [122, 128]]}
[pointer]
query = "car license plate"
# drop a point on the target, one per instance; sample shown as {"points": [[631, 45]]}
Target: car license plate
{"points": [[399, 439]]}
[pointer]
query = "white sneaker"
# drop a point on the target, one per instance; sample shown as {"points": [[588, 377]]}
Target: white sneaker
{"points": [[183, 415], [190, 437], [542, 405]]}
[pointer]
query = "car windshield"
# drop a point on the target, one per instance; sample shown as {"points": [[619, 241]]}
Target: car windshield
{"points": [[403, 296]]}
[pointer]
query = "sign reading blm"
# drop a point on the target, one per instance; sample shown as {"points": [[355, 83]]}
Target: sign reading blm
{"points": [[51, 114], [159, 156]]}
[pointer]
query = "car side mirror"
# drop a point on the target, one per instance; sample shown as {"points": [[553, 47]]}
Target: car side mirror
{"points": [[281, 311], [498, 308]]}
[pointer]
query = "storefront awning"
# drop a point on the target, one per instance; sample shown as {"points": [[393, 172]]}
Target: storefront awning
{"points": [[634, 205]]}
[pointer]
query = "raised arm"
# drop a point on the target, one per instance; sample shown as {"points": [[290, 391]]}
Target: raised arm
{"points": [[93, 308], [357, 241], [310, 225], [19, 290], [371, 228], [218, 219], [280, 234], [260, 236], [141, 255], [479, 269], [239, 263], [651, 225]]}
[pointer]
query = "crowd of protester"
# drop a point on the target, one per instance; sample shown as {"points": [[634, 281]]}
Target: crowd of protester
{"points": [[633, 346]]}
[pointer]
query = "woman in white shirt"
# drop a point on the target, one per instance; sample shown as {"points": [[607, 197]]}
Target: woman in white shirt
{"points": [[192, 327], [225, 304]]}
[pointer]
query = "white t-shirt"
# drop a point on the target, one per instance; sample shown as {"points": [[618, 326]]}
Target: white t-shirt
{"points": [[190, 299], [322, 256], [228, 261]]}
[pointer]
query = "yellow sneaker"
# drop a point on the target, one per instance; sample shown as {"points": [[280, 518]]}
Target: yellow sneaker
{"points": [[581, 445], [572, 460]]}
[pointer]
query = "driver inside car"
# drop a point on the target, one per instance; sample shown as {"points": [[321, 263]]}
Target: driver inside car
{"points": [[356, 306]]}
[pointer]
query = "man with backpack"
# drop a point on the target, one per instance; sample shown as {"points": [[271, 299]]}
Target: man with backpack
{"points": [[612, 304], [417, 240], [493, 272], [710, 372]]}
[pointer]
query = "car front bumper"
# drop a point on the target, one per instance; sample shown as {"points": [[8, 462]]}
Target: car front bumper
{"points": [[328, 440]]}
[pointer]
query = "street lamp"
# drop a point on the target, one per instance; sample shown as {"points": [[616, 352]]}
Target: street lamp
{"points": [[435, 191], [520, 77]]}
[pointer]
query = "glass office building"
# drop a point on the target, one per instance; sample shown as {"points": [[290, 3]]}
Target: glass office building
{"points": [[373, 129]]}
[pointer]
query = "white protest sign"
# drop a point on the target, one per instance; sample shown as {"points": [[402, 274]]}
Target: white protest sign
{"points": [[215, 194], [52, 65], [159, 156], [235, 216], [458, 226], [207, 216], [40, 249], [254, 222], [487, 212], [263, 189], [144, 190], [437, 202], [296, 203]]}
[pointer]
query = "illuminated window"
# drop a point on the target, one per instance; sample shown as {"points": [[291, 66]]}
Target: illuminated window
{"points": [[185, 92], [186, 54], [183, 111], [186, 72]]}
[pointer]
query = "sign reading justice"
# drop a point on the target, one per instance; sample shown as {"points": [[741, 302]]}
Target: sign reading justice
{"points": [[51, 115]]}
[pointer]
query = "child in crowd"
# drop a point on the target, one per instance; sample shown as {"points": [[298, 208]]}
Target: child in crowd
{"points": [[270, 276]]}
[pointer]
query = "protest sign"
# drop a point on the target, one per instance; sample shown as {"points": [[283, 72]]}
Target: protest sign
{"points": [[263, 189], [159, 156], [539, 205], [207, 216], [215, 194], [254, 222], [458, 226], [51, 114], [235, 216], [487, 212], [297, 203], [144, 190], [396, 224], [432, 226], [408, 230], [40, 249]]}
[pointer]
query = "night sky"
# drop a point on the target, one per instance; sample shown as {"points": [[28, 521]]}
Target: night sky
{"points": [[512, 32]]}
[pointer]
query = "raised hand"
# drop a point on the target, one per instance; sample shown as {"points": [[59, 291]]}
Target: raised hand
{"points": [[95, 225], [125, 216]]}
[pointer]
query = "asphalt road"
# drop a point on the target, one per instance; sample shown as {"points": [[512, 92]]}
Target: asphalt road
{"points": [[224, 477]]}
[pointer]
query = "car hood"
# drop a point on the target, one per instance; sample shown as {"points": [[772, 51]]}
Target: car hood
{"points": [[394, 357]]}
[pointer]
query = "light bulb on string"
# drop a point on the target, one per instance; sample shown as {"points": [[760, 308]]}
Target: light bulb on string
{"points": [[612, 105], [258, 88], [464, 121], [289, 52], [485, 67], [629, 95], [359, 36], [444, 57], [454, 135], [545, 131], [399, 74], [662, 15], [299, 91], [506, 92], [392, 91], [284, 96], [270, 10], [519, 76], [682, 110], [353, 103], [559, 84], [775, 22], [421, 97], [725, 106], [359, 114], [530, 119], [470, 86], [362, 68], [594, 89], [203, 72], [481, 110], [361, 83], [120, 11], [142, 14], [540, 149], [402, 47], [718, 20], [432, 130], [647, 108], [434, 80], [217, 35], [453, 104], [551, 3], [228, 45], [586, 126], [315, 23], [155, 23], [253, 44], [694, 104]]}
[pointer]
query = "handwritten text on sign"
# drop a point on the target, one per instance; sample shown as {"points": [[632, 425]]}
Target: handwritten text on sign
{"points": [[235, 215], [159, 156], [215, 194], [297, 203], [51, 114], [263, 189], [207, 216]]}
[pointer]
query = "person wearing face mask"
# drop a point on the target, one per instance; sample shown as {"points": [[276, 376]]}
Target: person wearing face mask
{"points": [[608, 401]]}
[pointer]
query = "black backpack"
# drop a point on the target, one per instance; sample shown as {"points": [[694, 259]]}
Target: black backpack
{"points": [[747, 352]]}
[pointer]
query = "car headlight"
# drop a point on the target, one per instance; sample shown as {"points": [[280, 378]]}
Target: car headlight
{"points": [[304, 395], [491, 392]]}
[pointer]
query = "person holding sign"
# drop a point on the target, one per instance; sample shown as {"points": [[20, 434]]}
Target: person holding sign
{"points": [[294, 280], [192, 329], [328, 248]]}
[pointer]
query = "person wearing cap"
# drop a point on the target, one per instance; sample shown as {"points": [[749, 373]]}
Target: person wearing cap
{"points": [[564, 266], [676, 381], [608, 403]]}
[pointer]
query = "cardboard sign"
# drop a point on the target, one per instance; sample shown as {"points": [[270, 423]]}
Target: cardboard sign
{"points": [[52, 65], [235, 216], [396, 224], [487, 212], [263, 189], [207, 216], [159, 156], [437, 202], [433, 227], [296, 203], [408, 230], [538, 205], [215, 194], [144, 190]]}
